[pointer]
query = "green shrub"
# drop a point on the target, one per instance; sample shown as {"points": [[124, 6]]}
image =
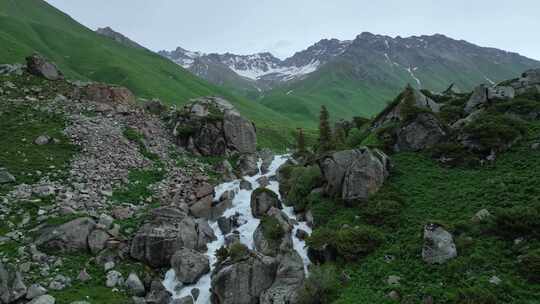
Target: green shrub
{"points": [[360, 122], [355, 138], [517, 222], [529, 266], [382, 212], [350, 243], [475, 295], [520, 106], [450, 113], [495, 131], [238, 252], [454, 154], [322, 286], [353, 243], [298, 185], [272, 229]]}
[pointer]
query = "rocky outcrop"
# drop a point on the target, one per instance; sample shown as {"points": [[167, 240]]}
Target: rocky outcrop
{"points": [[484, 94], [439, 245], [12, 287], [262, 200], [422, 132], [397, 111], [243, 281], [289, 278], [71, 236], [167, 231], [270, 241], [528, 82], [189, 265], [105, 94], [354, 174], [40, 66], [212, 126]]}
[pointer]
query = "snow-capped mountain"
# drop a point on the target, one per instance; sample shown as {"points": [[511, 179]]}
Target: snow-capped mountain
{"points": [[262, 70]]}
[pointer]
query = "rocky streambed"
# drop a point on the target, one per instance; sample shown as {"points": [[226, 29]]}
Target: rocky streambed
{"points": [[244, 225]]}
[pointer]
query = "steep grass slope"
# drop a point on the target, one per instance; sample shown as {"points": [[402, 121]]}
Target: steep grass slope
{"points": [[33, 25]]}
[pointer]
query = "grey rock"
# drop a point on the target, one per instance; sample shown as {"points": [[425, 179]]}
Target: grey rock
{"points": [[245, 185], [289, 278], [423, 132], [84, 276], [263, 181], [108, 266], [44, 299], [6, 177], [114, 278], [134, 285], [195, 293], [39, 66], [478, 98], [438, 246], [42, 140], [34, 291], [158, 294], [72, 236], [393, 280], [105, 221], [301, 234], [274, 247], [243, 282], [481, 216], [189, 265], [97, 240], [248, 164], [501, 93], [167, 231], [211, 126], [12, 287], [262, 200], [354, 174], [267, 156], [184, 300]]}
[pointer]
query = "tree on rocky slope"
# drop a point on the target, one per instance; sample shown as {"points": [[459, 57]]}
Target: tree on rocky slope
{"points": [[325, 132]]}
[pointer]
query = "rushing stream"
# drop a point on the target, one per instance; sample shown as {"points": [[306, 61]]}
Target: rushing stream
{"points": [[240, 205]]}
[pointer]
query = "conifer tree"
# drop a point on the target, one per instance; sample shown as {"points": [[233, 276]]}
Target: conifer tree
{"points": [[301, 141], [325, 133]]}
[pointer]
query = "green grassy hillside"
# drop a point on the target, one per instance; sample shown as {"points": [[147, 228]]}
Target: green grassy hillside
{"points": [[33, 25]]}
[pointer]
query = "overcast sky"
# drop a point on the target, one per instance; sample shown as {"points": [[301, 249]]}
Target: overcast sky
{"points": [[286, 26]]}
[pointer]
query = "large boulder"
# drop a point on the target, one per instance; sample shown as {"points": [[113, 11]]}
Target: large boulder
{"points": [[69, 237], [244, 280], [484, 94], [274, 234], [529, 81], [397, 111], [12, 287], [211, 126], [189, 265], [262, 199], [478, 98], [354, 174], [290, 276], [40, 66], [422, 132], [167, 231], [438, 246], [105, 93]]}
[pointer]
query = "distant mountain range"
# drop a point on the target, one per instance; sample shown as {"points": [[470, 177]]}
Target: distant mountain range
{"points": [[351, 77]]}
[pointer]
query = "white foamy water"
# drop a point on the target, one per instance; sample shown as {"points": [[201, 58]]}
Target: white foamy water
{"points": [[240, 205]]}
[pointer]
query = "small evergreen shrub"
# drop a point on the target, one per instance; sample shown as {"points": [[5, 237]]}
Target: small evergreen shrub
{"points": [[520, 106], [300, 183], [351, 243], [322, 286], [530, 266], [271, 229], [475, 295], [450, 113], [495, 131], [238, 252], [517, 222]]}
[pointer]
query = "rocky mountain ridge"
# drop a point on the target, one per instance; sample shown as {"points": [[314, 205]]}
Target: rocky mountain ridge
{"points": [[406, 56]]}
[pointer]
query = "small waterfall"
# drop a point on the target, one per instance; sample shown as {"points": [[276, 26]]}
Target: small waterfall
{"points": [[240, 205]]}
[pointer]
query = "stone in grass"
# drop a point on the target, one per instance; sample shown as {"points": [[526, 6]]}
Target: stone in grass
{"points": [[42, 140], [114, 278], [6, 177], [44, 299], [439, 246], [134, 285], [34, 291]]}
